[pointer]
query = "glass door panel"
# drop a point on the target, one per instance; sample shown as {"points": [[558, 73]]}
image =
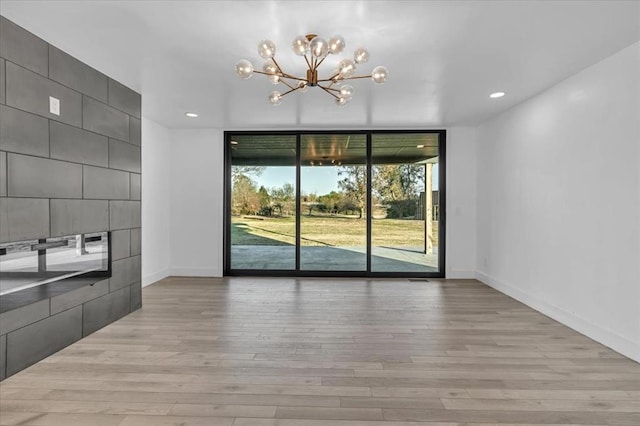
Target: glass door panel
{"points": [[263, 202], [333, 200], [405, 200]]}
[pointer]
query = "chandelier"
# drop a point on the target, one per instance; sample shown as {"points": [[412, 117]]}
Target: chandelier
{"points": [[314, 50]]}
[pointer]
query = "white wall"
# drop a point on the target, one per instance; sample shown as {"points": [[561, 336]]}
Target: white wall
{"points": [[197, 170], [156, 160], [197, 202], [558, 202], [461, 203]]}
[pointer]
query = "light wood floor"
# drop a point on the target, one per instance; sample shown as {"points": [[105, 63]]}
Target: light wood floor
{"points": [[312, 352]]}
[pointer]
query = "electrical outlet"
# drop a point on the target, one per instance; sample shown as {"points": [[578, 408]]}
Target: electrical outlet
{"points": [[54, 105]]}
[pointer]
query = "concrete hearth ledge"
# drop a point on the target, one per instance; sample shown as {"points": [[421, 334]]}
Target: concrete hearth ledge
{"points": [[19, 299]]}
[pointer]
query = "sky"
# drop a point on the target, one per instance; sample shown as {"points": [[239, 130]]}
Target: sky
{"points": [[319, 180]]}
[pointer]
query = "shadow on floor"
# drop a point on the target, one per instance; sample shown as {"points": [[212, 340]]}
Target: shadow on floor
{"points": [[383, 259]]}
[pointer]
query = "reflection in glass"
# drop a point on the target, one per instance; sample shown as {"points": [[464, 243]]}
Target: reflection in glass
{"points": [[27, 264]]}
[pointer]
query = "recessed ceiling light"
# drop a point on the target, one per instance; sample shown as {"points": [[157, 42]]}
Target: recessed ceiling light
{"points": [[496, 95], [191, 114], [234, 142], [419, 146]]}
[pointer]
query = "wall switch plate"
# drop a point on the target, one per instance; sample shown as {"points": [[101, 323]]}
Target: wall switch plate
{"points": [[54, 105]]}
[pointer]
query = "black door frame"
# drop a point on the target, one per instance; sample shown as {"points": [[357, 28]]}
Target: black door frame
{"points": [[442, 153]]}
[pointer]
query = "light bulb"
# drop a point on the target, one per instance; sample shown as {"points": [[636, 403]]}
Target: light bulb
{"points": [[361, 55], [318, 47], [300, 45], [275, 98], [244, 69], [379, 75], [346, 68], [269, 67], [302, 86], [266, 49], [341, 101], [274, 79], [346, 92], [336, 44]]}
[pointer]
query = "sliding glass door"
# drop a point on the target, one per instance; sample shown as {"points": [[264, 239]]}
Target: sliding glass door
{"points": [[333, 199], [335, 203], [262, 208], [404, 222]]}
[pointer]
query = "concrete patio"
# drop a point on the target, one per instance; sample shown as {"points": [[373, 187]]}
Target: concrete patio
{"points": [[383, 259]]}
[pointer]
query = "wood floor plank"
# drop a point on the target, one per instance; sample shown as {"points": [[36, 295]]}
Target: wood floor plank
{"points": [[327, 352], [176, 421]]}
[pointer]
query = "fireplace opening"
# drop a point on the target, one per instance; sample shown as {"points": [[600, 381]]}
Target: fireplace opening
{"points": [[31, 263]]}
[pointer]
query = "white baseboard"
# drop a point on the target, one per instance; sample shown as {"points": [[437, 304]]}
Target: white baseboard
{"points": [[460, 274], [607, 337], [196, 272], [155, 277]]}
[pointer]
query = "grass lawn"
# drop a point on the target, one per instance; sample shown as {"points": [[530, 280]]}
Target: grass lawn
{"points": [[327, 230]]}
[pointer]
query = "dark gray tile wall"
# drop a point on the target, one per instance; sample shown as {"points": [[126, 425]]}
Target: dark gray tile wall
{"points": [[120, 244], [106, 183], [23, 48], [37, 177], [76, 172], [136, 296], [136, 186], [3, 97], [18, 318], [67, 70], [23, 132], [3, 174], [77, 297], [124, 156], [69, 143], [136, 241], [103, 119], [36, 341], [29, 91], [125, 272], [124, 214], [23, 218], [78, 216], [106, 309], [3, 357], [124, 99], [135, 133]]}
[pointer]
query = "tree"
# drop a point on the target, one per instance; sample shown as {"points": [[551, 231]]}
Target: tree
{"points": [[398, 186], [398, 182], [311, 201], [246, 171], [348, 205], [354, 185], [284, 197], [331, 201], [265, 202], [244, 197]]}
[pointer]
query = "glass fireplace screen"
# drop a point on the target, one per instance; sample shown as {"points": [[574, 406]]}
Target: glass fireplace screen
{"points": [[31, 263]]}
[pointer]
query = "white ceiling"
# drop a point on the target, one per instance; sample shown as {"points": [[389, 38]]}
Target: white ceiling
{"points": [[444, 58]]}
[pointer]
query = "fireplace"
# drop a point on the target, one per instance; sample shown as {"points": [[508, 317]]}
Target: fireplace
{"points": [[31, 263]]}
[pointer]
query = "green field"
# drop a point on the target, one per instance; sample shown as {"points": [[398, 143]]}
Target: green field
{"points": [[328, 230]]}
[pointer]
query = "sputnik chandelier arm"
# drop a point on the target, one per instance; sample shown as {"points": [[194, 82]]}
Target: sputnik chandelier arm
{"points": [[314, 50]]}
